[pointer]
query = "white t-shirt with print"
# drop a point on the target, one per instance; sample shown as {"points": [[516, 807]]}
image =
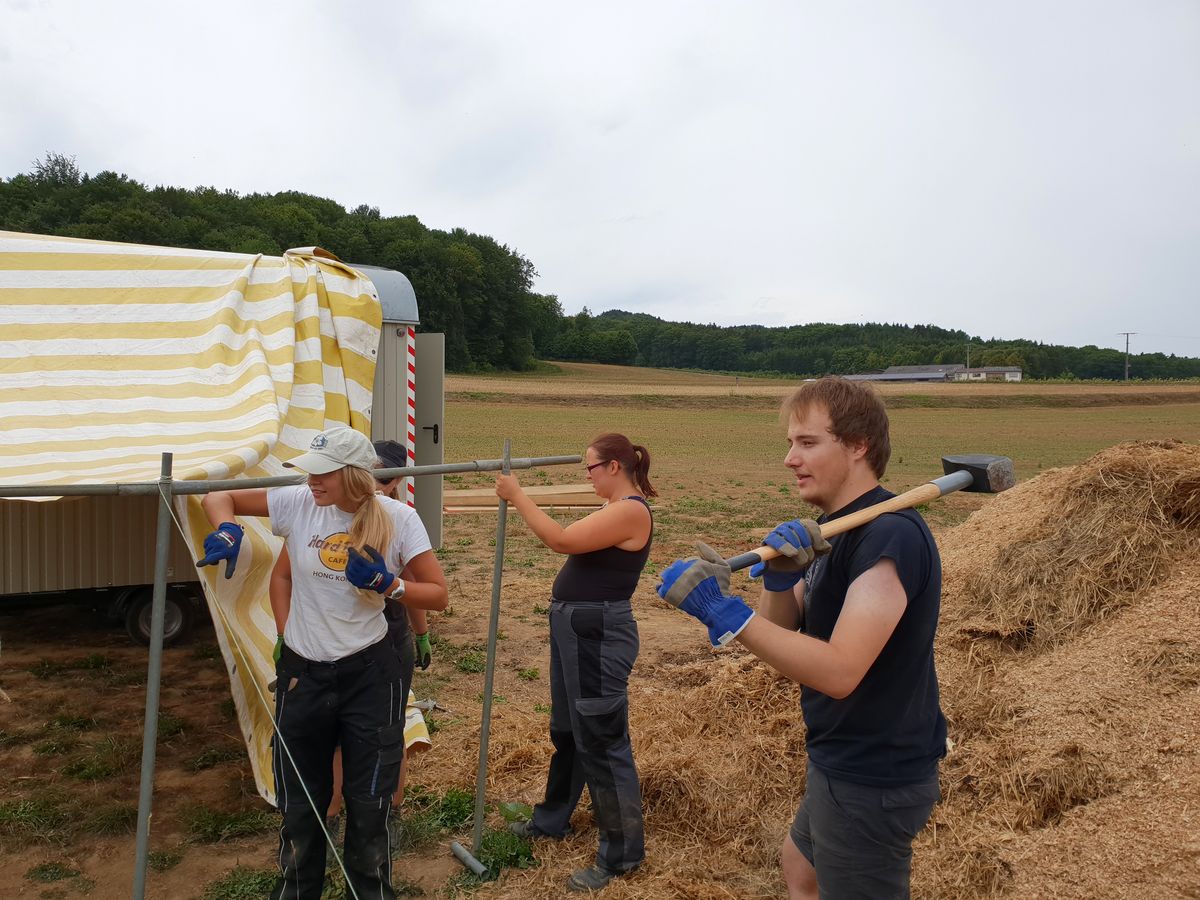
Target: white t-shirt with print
{"points": [[330, 618]]}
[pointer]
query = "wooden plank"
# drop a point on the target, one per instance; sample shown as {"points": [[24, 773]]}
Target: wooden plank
{"points": [[544, 495]]}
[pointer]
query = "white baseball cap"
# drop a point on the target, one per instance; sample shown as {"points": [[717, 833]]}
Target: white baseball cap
{"points": [[334, 448]]}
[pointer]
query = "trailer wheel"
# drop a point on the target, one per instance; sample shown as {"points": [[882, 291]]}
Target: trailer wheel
{"points": [[177, 622]]}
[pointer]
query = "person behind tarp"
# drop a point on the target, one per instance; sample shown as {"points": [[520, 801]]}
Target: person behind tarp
{"points": [[593, 645], [394, 455], [852, 620], [338, 675]]}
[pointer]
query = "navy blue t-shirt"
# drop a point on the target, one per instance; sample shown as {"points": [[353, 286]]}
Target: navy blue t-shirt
{"points": [[890, 730]]}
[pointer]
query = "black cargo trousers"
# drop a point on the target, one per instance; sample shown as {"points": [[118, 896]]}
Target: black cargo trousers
{"points": [[592, 650], [357, 701]]}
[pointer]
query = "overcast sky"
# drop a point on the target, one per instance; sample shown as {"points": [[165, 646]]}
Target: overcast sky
{"points": [[1015, 169]]}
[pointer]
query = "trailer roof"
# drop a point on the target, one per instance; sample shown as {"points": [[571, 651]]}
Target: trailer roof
{"points": [[396, 294]]}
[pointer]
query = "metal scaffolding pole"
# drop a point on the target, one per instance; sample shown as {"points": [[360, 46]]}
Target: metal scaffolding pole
{"points": [[471, 860], [153, 678], [179, 488]]}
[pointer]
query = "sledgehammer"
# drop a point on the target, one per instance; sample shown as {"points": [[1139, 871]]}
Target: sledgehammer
{"points": [[975, 472]]}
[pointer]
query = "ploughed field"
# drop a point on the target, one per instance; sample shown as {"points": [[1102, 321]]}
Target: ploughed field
{"points": [[1073, 709]]}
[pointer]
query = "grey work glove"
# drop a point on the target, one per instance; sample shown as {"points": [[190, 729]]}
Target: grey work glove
{"points": [[681, 576]]}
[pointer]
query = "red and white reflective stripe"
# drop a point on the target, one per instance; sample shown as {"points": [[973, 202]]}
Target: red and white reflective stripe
{"points": [[410, 483]]}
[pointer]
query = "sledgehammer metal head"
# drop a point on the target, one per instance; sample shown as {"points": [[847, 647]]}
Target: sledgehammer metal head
{"points": [[989, 474]]}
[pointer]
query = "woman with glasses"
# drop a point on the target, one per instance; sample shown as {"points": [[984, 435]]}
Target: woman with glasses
{"points": [[593, 645]]}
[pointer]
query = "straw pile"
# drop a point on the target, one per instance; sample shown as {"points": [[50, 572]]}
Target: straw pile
{"points": [[1066, 549], [1069, 657]]}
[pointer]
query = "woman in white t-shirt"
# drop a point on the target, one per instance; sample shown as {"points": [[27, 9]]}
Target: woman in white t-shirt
{"points": [[338, 677]]}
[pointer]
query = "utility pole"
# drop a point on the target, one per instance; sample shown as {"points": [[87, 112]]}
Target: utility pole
{"points": [[1127, 334], [968, 353]]}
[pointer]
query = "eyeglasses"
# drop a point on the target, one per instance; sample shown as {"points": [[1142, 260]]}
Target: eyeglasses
{"points": [[593, 465]]}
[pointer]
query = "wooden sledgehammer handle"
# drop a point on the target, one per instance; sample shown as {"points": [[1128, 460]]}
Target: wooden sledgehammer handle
{"points": [[939, 487]]}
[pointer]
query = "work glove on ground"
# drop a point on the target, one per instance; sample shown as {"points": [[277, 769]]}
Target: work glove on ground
{"points": [[799, 542], [224, 543], [424, 651], [699, 586], [369, 574]]}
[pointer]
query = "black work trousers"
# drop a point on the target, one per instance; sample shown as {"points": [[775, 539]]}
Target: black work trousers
{"points": [[592, 650], [357, 701]]}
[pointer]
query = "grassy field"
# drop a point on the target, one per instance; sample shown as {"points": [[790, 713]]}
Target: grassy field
{"points": [[719, 468], [585, 382]]}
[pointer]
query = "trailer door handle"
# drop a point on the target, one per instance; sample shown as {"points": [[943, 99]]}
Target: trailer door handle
{"points": [[432, 428]]}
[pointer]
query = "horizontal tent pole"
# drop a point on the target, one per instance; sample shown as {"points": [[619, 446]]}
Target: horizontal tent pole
{"points": [[233, 484]]}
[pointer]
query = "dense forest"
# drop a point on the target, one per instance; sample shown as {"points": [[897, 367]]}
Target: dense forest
{"points": [[479, 291]]}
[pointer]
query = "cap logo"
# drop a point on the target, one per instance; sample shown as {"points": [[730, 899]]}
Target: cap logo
{"points": [[319, 442]]}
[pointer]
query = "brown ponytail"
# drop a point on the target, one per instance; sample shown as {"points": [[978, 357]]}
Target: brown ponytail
{"points": [[641, 472], [634, 459]]}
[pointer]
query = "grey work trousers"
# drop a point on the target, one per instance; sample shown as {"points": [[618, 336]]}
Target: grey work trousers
{"points": [[592, 650]]}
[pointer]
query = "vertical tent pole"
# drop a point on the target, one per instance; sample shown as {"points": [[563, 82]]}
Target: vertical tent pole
{"points": [[153, 677]]}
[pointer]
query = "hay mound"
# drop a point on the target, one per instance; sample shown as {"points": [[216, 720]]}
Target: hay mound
{"points": [[1072, 546]]}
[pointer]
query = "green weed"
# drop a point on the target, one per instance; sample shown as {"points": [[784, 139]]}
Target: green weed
{"points": [[242, 883], [212, 825], [118, 819], [45, 669], [169, 858], [51, 871], [111, 756], [169, 726], [41, 819], [528, 674], [69, 722], [471, 661], [15, 738], [501, 849], [206, 651], [56, 746], [214, 756], [427, 814]]}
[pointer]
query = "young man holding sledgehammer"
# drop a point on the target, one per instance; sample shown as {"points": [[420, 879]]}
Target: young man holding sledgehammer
{"points": [[852, 620]]}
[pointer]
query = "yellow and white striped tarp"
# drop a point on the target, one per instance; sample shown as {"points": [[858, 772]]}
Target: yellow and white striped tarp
{"points": [[111, 354]]}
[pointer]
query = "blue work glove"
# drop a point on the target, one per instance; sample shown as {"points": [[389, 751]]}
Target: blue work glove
{"points": [[799, 542], [224, 543], [369, 574], [698, 586]]}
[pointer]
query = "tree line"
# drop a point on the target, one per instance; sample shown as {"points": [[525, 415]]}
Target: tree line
{"points": [[479, 291], [822, 348]]}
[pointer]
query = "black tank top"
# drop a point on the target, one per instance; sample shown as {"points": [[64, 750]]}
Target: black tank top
{"points": [[599, 575]]}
